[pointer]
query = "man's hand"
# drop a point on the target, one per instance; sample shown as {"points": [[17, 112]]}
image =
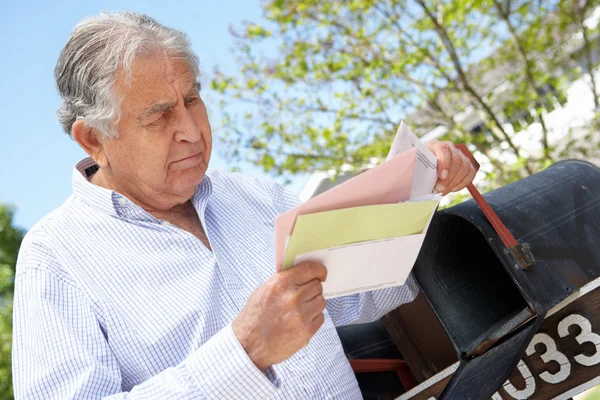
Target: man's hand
{"points": [[455, 170], [282, 315]]}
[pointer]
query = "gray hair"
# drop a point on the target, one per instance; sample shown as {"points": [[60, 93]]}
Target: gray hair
{"points": [[85, 73]]}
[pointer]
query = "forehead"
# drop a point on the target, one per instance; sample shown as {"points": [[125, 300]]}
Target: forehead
{"points": [[152, 79]]}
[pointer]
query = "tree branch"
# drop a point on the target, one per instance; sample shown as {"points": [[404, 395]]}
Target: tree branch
{"points": [[441, 31], [528, 72], [579, 17]]}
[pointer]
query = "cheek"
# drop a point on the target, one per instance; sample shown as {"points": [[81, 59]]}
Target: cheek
{"points": [[151, 159], [207, 138], [204, 125], [123, 156]]}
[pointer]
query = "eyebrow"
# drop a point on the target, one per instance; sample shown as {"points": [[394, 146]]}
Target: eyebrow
{"points": [[196, 87], [165, 107]]}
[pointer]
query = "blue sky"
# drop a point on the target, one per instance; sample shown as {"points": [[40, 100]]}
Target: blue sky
{"points": [[36, 157]]}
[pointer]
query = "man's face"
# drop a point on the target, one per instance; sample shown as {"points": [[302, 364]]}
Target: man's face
{"points": [[165, 139]]}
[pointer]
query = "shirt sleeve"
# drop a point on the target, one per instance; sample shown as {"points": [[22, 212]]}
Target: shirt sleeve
{"points": [[361, 307], [61, 351], [370, 306]]}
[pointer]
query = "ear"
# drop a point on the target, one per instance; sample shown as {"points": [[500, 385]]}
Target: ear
{"points": [[91, 142]]}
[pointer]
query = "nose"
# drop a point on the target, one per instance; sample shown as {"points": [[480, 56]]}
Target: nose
{"points": [[186, 128]]}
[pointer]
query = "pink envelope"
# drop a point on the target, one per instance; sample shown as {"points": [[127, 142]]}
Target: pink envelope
{"points": [[389, 182]]}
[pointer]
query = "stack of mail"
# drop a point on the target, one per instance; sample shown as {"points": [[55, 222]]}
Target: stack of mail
{"points": [[367, 231]]}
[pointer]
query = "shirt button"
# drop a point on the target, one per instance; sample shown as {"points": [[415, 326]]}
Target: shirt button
{"points": [[122, 201], [166, 223]]}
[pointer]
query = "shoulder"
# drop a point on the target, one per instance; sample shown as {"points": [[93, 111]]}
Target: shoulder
{"points": [[251, 188], [236, 180], [38, 249]]}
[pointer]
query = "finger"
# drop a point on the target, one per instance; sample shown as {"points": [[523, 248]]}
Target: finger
{"points": [[468, 179], [315, 306], [317, 322], [443, 153], [307, 271], [311, 289], [455, 168], [465, 167]]}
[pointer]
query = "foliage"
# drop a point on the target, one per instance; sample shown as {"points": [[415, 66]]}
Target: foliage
{"points": [[594, 395], [325, 84], [10, 241]]}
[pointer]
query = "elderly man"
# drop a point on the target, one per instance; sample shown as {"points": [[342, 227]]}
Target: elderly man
{"points": [[156, 278]]}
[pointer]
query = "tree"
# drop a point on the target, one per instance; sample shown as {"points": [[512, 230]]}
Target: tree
{"points": [[325, 84], [575, 12], [10, 241]]}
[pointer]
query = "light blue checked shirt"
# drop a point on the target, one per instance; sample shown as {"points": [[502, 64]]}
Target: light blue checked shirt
{"points": [[112, 302]]}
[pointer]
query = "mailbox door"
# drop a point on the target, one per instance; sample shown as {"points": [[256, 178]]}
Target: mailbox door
{"points": [[489, 306]]}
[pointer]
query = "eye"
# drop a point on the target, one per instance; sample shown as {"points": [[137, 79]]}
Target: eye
{"points": [[191, 100], [156, 120]]}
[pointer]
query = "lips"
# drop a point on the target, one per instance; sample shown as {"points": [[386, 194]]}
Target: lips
{"points": [[189, 161], [192, 156]]}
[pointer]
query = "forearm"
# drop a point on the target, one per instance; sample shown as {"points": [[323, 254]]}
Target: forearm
{"points": [[218, 369], [60, 352]]}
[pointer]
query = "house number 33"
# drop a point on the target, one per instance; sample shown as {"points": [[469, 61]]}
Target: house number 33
{"points": [[551, 353]]}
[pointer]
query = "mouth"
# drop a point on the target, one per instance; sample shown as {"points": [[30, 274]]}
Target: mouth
{"points": [[196, 155], [188, 162]]}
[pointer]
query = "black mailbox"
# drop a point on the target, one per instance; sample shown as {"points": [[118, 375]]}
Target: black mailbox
{"points": [[488, 301]]}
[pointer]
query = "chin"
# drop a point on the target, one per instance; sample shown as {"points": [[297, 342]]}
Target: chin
{"points": [[187, 180]]}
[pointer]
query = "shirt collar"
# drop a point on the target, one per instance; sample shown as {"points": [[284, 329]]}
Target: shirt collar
{"points": [[115, 204]]}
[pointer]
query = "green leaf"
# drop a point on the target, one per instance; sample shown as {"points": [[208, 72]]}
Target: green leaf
{"points": [[10, 241], [346, 73]]}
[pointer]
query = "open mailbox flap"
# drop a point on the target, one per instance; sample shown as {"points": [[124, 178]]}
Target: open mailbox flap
{"points": [[488, 304]]}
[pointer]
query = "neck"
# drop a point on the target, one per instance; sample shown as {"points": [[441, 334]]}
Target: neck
{"points": [[182, 215], [177, 214], [172, 213]]}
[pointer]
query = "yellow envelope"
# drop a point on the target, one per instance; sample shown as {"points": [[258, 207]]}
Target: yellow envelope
{"points": [[357, 224], [388, 183]]}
